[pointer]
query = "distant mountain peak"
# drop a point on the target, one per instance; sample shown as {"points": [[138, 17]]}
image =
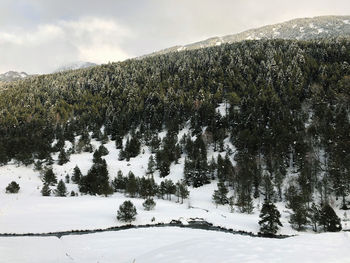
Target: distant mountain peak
{"points": [[13, 76]]}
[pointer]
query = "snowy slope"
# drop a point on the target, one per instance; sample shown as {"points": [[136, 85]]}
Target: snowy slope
{"points": [[75, 65], [12, 76], [28, 211], [174, 245], [296, 29]]}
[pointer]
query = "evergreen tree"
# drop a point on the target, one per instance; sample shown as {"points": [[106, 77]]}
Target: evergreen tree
{"points": [[212, 167], [228, 170], [293, 198], [3, 155], [38, 165], [329, 219], [119, 142], [149, 204], [182, 191], [245, 201], [296, 202], [220, 195], [63, 157], [162, 190], [268, 188], [76, 175], [49, 177], [196, 170], [84, 143], [123, 154], [314, 216], [103, 150], [96, 134], [131, 185], [96, 181], [97, 157], [247, 170], [132, 149], [306, 184], [61, 189], [147, 187], [221, 168], [196, 173], [299, 217], [46, 191], [154, 144], [270, 219], [104, 138], [170, 188], [151, 165], [142, 189], [119, 183], [163, 166], [59, 145], [127, 212]]}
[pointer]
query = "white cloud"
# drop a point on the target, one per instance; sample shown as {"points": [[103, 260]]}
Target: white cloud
{"points": [[49, 46], [98, 40], [101, 53]]}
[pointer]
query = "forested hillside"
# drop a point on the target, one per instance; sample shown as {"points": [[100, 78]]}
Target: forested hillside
{"points": [[287, 107]]}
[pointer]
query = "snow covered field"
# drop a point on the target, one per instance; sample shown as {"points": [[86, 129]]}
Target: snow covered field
{"points": [[29, 212], [174, 245]]}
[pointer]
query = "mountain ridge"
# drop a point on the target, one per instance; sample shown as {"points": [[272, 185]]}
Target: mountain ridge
{"points": [[75, 65], [296, 29], [13, 76]]}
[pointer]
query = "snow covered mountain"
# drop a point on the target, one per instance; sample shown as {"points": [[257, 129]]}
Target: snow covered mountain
{"points": [[75, 65], [12, 76], [296, 29]]}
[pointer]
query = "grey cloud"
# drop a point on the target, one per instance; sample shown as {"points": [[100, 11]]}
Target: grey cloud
{"points": [[150, 25], [49, 46]]}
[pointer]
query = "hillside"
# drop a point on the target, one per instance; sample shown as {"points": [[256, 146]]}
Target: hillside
{"points": [[296, 29], [237, 125]]}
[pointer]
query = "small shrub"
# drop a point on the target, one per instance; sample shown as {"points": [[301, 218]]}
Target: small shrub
{"points": [[46, 191], [12, 188], [127, 212], [149, 204]]}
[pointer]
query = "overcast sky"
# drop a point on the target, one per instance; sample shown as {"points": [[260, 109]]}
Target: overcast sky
{"points": [[38, 36]]}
